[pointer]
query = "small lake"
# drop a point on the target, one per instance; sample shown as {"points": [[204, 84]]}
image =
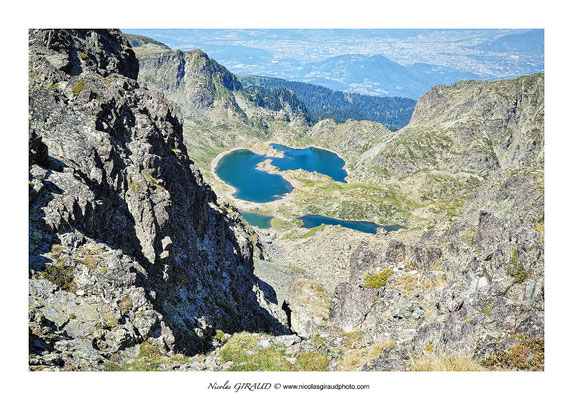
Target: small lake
{"points": [[259, 220], [392, 228], [311, 221], [311, 159], [239, 169]]}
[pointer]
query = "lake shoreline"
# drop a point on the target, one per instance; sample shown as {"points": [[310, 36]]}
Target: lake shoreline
{"points": [[252, 207], [320, 148], [314, 220], [245, 204], [218, 157], [285, 200]]}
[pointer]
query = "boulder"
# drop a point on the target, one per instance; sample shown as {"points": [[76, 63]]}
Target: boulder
{"points": [[306, 305]]}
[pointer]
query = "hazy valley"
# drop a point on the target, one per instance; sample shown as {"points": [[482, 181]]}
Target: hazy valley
{"points": [[140, 258]]}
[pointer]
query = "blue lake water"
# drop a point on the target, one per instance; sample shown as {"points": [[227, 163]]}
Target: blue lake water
{"points": [[238, 169], [262, 221], [311, 159], [391, 228], [311, 221]]}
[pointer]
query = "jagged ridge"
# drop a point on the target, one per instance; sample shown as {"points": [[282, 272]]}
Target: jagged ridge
{"points": [[127, 242]]}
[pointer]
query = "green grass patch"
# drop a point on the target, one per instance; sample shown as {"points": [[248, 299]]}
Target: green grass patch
{"points": [[78, 88], [488, 309], [527, 355], [514, 258], [243, 351], [135, 187], [281, 224], [61, 274], [312, 361], [353, 201], [377, 281], [312, 231], [296, 269], [309, 233], [516, 271], [148, 359]]}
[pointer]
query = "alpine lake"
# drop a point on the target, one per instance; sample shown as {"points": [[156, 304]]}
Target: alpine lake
{"points": [[239, 169]]}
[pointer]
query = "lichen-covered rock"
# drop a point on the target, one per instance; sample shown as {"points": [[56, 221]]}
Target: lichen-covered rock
{"points": [[471, 284], [306, 306], [127, 242], [455, 293]]}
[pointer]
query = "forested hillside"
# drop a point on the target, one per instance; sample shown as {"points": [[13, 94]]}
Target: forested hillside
{"points": [[321, 102]]}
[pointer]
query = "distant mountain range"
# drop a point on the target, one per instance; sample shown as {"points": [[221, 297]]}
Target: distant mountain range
{"points": [[531, 41], [378, 75], [313, 101], [405, 63]]}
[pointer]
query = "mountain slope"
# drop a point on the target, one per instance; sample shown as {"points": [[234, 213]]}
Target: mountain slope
{"points": [[458, 136], [127, 242], [219, 114], [141, 40], [197, 82], [472, 127], [472, 284]]}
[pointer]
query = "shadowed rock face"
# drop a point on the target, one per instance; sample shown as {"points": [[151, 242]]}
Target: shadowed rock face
{"points": [[127, 242]]}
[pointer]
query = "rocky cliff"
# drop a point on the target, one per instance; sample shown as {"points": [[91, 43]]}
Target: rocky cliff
{"points": [[474, 283], [472, 290], [470, 127], [127, 242], [219, 114], [197, 82]]}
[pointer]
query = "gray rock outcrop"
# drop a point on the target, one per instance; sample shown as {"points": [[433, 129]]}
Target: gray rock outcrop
{"points": [[127, 242], [467, 291], [306, 306]]}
